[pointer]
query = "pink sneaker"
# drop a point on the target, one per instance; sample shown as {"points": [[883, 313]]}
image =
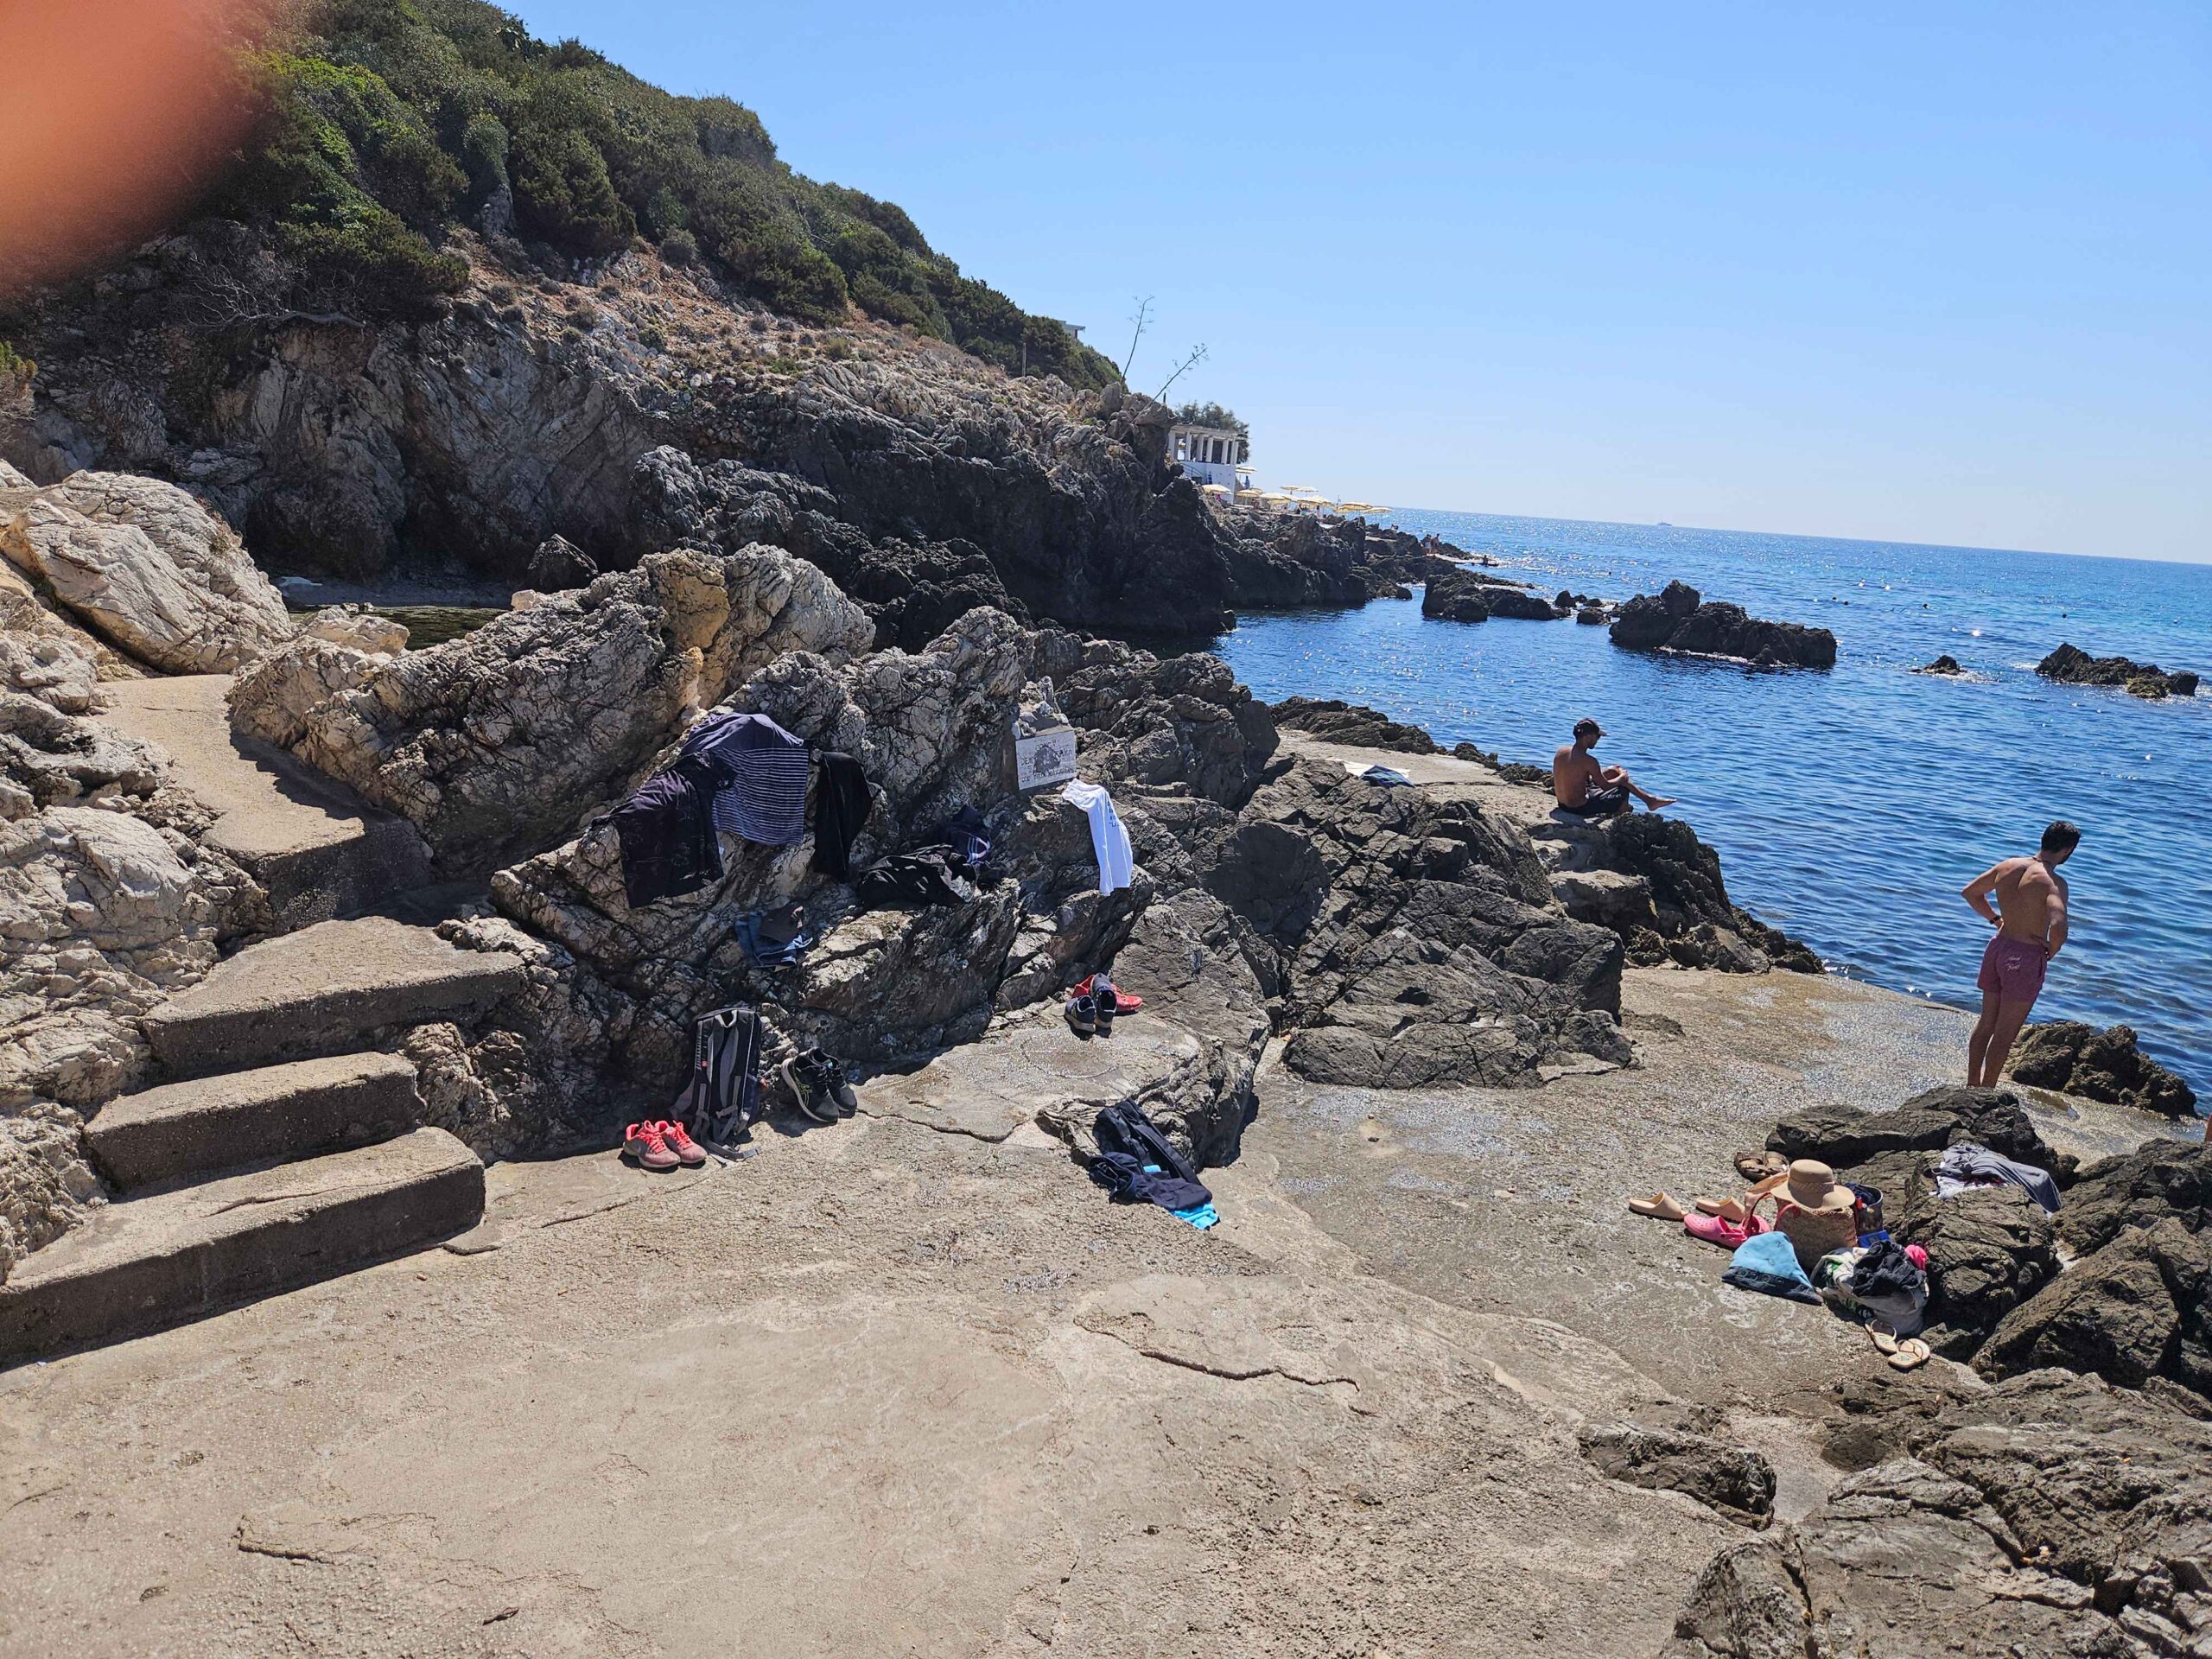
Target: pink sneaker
{"points": [[686, 1150], [644, 1143]]}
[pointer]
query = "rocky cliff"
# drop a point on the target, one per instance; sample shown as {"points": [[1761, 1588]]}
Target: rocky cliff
{"points": [[632, 405]]}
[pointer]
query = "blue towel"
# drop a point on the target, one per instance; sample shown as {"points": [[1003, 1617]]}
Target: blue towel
{"points": [[1769, 1264], [1199, 1216]]}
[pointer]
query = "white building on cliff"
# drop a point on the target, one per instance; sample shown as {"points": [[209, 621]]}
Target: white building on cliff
{"points": [[1211, 455]]}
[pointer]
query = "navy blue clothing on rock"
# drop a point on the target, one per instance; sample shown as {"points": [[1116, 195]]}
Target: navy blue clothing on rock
{"points": [[760, 774], [667, 835]]}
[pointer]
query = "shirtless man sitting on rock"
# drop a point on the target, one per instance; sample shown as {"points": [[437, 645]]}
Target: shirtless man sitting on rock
{"points": [[2030, 917], [1588, 790]]}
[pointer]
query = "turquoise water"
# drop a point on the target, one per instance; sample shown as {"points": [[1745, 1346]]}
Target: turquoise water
{"points": [[1850, 807]]}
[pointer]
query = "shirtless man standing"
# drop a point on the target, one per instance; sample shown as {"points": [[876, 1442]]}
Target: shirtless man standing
{"points": [[2030, 917], [1589, 789]]}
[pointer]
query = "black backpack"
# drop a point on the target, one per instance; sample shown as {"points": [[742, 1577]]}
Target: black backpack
{"points": [[722, 1099], [1138, 1164]]}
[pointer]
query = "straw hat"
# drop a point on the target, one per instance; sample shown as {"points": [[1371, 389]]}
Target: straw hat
{"points": [[1813, 1185], [1820, 1214]]}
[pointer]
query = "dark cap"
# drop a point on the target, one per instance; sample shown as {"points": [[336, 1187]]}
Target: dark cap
{"points": [[1586, 724]]}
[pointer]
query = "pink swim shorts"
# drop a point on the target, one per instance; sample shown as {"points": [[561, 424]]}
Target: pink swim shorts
{"points": [[2013, 969]]}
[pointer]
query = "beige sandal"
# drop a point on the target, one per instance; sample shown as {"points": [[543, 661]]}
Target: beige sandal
{"points": [[1727, 1209], [1660, 1206], [1911, 1353], [1757, 1165], [1885, 1342]]}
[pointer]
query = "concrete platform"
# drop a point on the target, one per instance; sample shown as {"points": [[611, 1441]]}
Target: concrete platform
{"points": [[316, 846], [186, 1129], [150, 1262], [323, 990]]}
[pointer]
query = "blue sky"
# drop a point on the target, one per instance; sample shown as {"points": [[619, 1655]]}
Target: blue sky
{"points": [[1934, 274]]}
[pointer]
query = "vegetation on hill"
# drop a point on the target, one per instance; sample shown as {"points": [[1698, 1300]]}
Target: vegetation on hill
{"points": [[385, 123], [1212, 415]]}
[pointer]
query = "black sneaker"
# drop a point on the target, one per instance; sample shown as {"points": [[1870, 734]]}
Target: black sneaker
{"points": [[833, 1079], [804, 1079], [1106, 1002], [1083, 1014]]}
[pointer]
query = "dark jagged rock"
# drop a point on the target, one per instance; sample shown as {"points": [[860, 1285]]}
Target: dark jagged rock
{"points": [[2159, 1181], [1847, 1136], [1737, 1481], [2106, 1065], [1946, 664], [2134, 1310], [1416, 940], [2049, 1515], [2070, 665], [560, 564], [1460, 595], [1988, 1251], [1677, 620], [1593, 616], [1353, 723], [1698, 926]]}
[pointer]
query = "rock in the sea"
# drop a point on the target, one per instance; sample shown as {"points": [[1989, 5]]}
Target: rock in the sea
{"points": [[1354, 724], [2070, 665], [2134, 1310], [2107, 1065], [502, 742], [1946, 664], [147, 568], [1460, 595], [1737, 1481], [1678, 620]]}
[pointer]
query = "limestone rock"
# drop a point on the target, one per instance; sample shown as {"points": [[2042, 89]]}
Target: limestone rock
{"points": [[46, 1185], [358, 628], [147, 568], [2106, 1065], [2052, 1514], [54, 669], [1417, 937], [100, 918], [502, 742], [1678, 620]]}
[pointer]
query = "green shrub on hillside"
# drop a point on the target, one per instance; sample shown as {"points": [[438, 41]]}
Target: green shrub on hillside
{"points": [[384, 120]]}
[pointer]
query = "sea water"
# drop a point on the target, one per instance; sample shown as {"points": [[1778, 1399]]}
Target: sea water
{"points": [[1850, 806]]}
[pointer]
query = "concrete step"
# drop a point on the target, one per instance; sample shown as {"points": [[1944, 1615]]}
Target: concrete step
{"points": [[145, 1263], [186, 1130], [317, 847], [327, 989]]}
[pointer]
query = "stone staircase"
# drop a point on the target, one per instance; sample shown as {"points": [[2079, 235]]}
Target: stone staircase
{"points": [[281, 1147]]}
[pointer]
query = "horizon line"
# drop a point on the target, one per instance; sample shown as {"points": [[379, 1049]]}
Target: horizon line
{"points": [[1811, 536]]}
